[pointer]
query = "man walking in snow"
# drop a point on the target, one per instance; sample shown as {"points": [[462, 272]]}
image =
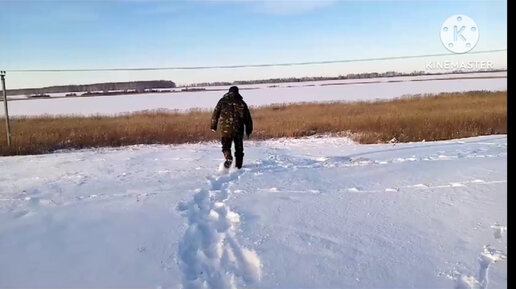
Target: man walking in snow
{"points": [[231, 115]]}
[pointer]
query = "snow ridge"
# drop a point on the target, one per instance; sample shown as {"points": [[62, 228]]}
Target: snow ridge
{"points": [[209, 253]]}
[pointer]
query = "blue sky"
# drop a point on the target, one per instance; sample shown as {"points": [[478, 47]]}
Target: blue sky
{"points": [[43, 34]]}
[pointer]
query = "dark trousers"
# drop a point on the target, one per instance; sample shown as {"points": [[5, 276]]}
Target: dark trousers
{"points": [[239, 146]]}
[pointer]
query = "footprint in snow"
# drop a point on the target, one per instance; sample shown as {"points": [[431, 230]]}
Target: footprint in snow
{"points": [[455, 185], [498, 230], [487, 257], [419, 186], [20, 214]]}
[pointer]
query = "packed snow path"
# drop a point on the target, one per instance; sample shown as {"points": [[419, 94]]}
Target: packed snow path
{"points": [[305, 213]]}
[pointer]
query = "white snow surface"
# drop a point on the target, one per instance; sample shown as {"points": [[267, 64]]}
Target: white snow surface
{"points": [[318, 212], [349, 90]]}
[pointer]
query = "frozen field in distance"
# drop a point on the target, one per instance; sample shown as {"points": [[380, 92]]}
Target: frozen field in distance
{"points": [[262, 94]]}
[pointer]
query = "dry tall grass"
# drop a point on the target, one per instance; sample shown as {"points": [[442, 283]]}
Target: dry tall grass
{"points": [[443, 116]]}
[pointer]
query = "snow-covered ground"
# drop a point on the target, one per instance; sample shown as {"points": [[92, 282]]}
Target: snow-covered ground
{"points": [[305, 213], [264, 94]]}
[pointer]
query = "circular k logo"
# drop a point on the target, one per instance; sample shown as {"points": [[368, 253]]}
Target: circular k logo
{"points": [[459, 33]]}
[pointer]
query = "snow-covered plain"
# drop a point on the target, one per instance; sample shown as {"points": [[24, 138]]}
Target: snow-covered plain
{"points": [[264, 94], [305, 213]]}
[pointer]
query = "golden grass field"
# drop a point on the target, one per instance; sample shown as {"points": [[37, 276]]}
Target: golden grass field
{"points": [[437, 117]]}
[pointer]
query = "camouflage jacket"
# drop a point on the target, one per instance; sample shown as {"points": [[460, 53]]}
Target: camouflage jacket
{"points": [[231, 114]]}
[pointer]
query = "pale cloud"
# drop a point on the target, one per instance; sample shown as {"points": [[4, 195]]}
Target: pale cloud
{"points": [[79, 13], [280, 7], [286, 7], [60, 11], [159, 9]]}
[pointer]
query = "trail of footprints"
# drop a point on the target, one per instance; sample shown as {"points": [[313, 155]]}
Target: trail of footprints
{"points": [[421, 186], [209, 253], [362, 161]]}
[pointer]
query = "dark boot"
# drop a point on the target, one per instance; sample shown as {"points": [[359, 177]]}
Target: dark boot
{"points": [[229, 159], [239, 159]]}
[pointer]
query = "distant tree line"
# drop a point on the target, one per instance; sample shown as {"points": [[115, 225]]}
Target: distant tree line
{"points": [[150, 86], [137, 86], [319, 78]]}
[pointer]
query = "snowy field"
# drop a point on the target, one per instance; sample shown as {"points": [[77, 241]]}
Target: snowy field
{"points": [[263, 94], [306, 213]]}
